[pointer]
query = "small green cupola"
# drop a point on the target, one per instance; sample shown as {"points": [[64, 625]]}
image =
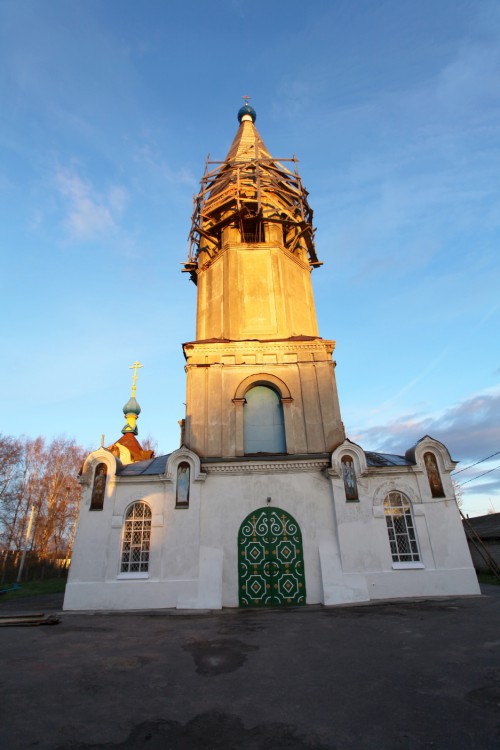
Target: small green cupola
{"points": [[132, 408]]}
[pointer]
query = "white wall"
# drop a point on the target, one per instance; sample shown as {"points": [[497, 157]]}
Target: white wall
{"points": [[346, 548]]}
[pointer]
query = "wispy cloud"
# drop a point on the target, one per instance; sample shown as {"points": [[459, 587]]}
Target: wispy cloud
{"points": [[89, 212], [470, 429], [152, 158]]}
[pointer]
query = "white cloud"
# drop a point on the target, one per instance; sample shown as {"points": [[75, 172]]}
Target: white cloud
{"points": [[470, 429], [88, 212]]}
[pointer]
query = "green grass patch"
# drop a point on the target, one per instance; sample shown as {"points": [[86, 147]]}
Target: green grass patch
{"points": [[488, 578], [33, 588]]}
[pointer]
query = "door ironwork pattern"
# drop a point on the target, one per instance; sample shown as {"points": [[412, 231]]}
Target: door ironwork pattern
{"points": [[271, 562]]}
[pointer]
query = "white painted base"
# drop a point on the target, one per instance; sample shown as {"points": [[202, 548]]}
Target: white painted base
{"points": [[209, 589], [337, 587], [126, 594], [399, 584]]}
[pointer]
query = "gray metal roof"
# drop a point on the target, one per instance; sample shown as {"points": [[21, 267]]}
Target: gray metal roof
{"points": [[385, 459], [487, 527], [150, 467], [158, 465]]}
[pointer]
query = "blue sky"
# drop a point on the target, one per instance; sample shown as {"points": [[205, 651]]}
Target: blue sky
{"points": [[393, 108]]}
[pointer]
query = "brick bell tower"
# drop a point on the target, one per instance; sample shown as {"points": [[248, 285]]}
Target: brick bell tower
{"points": [[260, 380]]}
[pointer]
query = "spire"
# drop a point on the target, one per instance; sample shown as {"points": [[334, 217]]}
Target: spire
{"points": [[132, 408], [247, 144], [244, 194]]}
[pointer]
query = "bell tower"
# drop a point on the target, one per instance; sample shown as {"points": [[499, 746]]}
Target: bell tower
{"points": [[260, 380]]}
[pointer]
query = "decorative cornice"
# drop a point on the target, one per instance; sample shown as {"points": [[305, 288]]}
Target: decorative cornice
{"points": [[266, 467], [253, 346]]}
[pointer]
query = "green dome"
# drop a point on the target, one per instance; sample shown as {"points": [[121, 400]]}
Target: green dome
{"points": [[132, 407], [246, 109]]}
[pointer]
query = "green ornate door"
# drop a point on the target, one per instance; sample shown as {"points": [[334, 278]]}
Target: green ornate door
{"points": [[271, 563]]}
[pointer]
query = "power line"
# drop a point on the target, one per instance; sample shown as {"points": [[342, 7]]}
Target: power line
{"points": [[477, 462], [479, 476]]}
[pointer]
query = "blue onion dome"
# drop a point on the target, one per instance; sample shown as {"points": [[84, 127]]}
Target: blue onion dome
{"points": [[246, 109], [132, 407]]}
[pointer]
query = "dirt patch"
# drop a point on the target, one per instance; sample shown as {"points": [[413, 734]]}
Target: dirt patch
{"points": [[211, 731], [218, 657]]}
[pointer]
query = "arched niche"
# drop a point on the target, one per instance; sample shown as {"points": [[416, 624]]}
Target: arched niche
{"points": [[433, 475], [184, 455], [348, 448], [348, 472], [183, 485], [263, 421], [99, 487], [240, 401], [437, 466], [266, 379]]}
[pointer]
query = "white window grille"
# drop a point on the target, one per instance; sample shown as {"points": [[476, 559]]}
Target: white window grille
{"points": [[401, 528], [136, 539]]}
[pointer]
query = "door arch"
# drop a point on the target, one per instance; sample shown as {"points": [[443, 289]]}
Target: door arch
{"points": [[270, 560]]}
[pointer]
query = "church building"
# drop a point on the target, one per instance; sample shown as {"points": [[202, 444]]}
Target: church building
{"points": [[266, 502]]}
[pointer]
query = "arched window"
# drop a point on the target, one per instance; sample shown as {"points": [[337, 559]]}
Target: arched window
{"points": [[264, 429], [136, 539], [433, 476], [182, 489], [401, 529], [349, 475], [99, 487]]}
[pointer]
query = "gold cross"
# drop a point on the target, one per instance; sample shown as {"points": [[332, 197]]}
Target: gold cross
{"points": [[246, 98], [135, 367]]}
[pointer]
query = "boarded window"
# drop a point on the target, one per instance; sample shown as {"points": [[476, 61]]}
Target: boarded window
{"points": [[99, 487], [182, 489], [400, 528], [349, 475], [264, 429], [136, 539], [433, 476]]}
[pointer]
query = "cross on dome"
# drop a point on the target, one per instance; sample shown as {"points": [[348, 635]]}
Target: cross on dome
{"points": [[135, 367], [132, 408]]}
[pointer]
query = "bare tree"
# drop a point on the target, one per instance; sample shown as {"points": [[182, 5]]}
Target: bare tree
{"points": [[43, 476], [459, 495], [149, 444]]}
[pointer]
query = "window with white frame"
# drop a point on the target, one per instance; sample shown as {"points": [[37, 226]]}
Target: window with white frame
{"points": [[136, 539], [401, 528]]}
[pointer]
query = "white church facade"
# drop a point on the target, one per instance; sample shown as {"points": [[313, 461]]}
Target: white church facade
{"points": [[266, 502]]}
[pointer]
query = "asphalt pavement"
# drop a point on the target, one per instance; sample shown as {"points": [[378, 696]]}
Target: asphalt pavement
{"points": [[401, 675]]}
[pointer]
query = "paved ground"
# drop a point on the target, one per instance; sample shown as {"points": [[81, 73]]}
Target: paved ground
{"points": [[395, 676]]}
